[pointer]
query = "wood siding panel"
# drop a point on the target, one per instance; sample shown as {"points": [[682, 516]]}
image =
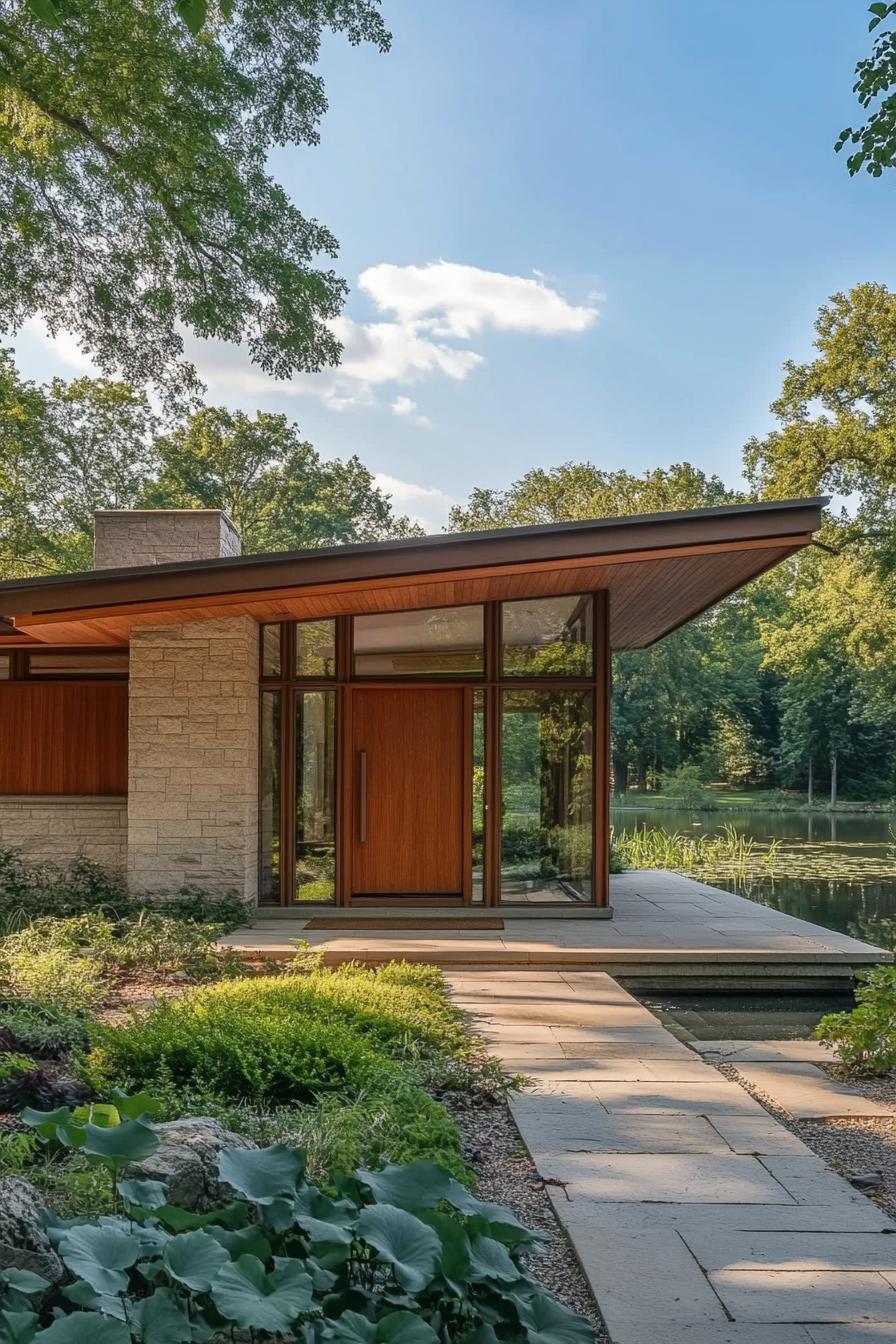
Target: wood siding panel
{"points": [[67, 738]]}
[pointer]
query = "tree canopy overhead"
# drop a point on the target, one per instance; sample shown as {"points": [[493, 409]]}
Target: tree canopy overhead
{"points": [[837, 419], [580, 490], [135, 200], [67, 449], [875, 88]]}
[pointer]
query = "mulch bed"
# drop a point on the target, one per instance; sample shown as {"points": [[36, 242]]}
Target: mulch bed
{"points": [[506, 1174]]}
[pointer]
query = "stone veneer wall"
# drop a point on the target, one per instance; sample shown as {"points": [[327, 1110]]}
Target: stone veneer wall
{"points": [[64, 827], [125, 537], [193, 757]]}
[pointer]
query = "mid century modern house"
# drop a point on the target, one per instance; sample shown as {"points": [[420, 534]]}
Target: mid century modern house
{"points": [[415, 723]]}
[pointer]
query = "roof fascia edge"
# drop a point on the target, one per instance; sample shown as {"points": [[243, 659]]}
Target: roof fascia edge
{"points": [[477, 552]]}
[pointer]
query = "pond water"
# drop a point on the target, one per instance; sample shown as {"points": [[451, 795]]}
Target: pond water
{"points": [[835, 869], [744, 1017]]}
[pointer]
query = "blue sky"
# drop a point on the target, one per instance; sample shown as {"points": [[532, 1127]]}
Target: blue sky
{"points": [[673, 157]]}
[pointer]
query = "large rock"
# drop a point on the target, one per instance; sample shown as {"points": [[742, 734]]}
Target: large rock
{"points": [[187, 1161], [24, 1243]]}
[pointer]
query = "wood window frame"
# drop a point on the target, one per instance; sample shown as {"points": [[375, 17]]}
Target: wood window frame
{"points": [[491, 684], [19, 664]]}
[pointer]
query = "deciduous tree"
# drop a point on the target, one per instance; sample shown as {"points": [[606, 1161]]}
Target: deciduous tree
{"points": [[135, 196], [67, 449]]}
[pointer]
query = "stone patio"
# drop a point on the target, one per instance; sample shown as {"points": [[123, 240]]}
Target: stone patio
{"points": [[697, 1217], [665, 927]]}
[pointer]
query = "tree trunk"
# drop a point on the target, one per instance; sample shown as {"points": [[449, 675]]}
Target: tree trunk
{"points": [[620, 773], [833, 779], [810, 793]]}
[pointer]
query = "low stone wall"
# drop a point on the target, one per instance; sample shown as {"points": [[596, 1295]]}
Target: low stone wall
{"points": [[64, 827]]}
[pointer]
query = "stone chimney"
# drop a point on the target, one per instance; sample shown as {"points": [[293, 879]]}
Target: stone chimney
{"points": [[124, 538]]}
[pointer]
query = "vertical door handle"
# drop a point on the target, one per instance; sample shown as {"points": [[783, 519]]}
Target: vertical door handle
{"points": [[362, 796]]}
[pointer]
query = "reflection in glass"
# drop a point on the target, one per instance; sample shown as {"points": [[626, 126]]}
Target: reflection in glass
{"points": [[546, 796], [478, 761], [438, 642], [269, 838], [77, 664], [548, 637], [315, 796], [5, 667], [315, 648], [270, 650]]}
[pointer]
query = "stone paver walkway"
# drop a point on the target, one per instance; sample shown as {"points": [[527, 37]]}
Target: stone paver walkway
{"points": [[697, 1218], [788, 1073]]}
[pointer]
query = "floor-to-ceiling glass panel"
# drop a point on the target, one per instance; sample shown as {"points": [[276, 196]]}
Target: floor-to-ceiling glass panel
{"points": [[315, 875], [548, 637], [269, 837], [437, 642], [547, 792], [478, 762]]}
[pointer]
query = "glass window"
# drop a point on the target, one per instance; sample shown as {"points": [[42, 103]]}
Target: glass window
{"points": [[77, 664], [270, 798], [315, 648], [478, 762], [546, 796], [548, 637], [5, 667], [437, 642], [315, 796], [270, 650]]}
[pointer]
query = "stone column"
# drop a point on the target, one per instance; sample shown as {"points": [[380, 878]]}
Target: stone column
{"points": [[193, 757]]}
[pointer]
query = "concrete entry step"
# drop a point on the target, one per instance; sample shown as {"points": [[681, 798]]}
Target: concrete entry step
{"points": [[666, 932]]}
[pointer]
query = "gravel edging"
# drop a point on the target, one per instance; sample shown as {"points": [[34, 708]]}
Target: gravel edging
{"points": [[506, 1174], [851, 1146]]}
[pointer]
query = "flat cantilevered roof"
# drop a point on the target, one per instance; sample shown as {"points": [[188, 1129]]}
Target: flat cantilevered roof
{"points": [[660, 570]]}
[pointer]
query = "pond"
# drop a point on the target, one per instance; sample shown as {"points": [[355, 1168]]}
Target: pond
{"points": [[835, 869]]}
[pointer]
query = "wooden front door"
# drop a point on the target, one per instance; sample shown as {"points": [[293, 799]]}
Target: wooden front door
{"points": [[409, 807]]}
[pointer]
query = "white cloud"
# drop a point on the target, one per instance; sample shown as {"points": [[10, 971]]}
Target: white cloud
{"points": [[431, 312], [424, 503], [450, 299], [407, 409]]}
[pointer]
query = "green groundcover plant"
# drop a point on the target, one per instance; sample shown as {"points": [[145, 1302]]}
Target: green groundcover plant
{"points": [[865, 1039], [68, 961], [402, 1255]]}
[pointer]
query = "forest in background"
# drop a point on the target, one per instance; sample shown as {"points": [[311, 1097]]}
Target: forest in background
{"points": [[789, 684]]}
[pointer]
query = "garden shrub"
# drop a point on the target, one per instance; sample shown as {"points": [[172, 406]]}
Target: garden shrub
{"points": [[24, 1082], [36, 1027], [49, 969], [242, 1048], [29, 889], [392, 1004], [254, 1037], [865, 1039], [687, 786]]}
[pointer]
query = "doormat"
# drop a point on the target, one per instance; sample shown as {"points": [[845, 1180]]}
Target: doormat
{"points": [[370, 923]]}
